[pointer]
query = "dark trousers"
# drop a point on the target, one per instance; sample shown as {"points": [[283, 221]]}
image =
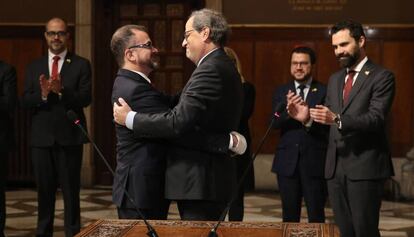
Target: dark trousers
{"points": [[200, 210], [160, 212], [236, 212], [53, 167], [3, 177], [300, 185], [356, 204]]}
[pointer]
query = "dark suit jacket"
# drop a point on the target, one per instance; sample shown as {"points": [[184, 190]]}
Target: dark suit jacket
{"points": [[361, 142], [7, 104], [140, 162], [296, 139], [50, 124], [211, 101]]}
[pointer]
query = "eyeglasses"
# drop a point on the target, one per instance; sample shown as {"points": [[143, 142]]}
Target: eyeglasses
{"points": [[147, 45], [300, 64], [56, 33], [187, 34]]}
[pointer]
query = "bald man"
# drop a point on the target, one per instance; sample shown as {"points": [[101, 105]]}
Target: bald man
{"points": [[57, 82]]}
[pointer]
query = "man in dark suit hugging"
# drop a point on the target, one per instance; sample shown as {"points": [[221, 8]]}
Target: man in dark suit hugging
{"points": [[141, 161], [201, 182]]}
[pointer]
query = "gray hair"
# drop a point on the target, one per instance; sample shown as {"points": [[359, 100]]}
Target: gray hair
{"points": [[121, 40], [215, 21]]}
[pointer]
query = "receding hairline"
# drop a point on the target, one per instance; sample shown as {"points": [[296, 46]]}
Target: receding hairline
{"points": [[56, 19]]}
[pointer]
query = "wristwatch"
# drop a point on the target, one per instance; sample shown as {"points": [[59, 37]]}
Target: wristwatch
{"points": [[337, 120]]}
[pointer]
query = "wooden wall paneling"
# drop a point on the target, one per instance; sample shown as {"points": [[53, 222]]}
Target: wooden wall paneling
{"points": [[398, 57], [272, 70], [326, 62], [105, 69], [19, 50]]}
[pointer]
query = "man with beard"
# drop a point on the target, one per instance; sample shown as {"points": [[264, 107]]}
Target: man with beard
{"points": [[141, 161], [56, 83], [201, 182], [359, 98], [300, 155]]}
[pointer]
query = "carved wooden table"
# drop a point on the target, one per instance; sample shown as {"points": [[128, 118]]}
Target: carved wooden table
{"points": [[136, 228]]}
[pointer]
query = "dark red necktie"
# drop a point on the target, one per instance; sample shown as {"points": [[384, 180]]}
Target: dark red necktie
{"points": [[348, 85], [55, 67]]}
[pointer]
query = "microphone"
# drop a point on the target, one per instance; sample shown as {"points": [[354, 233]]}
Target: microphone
{"points": [[278, 109], [73, 117]]}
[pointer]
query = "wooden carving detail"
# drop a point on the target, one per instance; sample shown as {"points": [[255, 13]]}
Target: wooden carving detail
{"points": [[110, 228], [309, 230]]}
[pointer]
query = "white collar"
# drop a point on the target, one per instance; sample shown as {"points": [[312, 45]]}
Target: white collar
{"points": [[358, 67], [307, 84], [61, 55], [142, 75], [199, 62]]}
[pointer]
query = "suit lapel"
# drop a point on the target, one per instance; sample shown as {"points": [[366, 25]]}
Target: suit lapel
{"points": [[340, 85], [66, 66], [312, 97], [45, 66], [360, 80]]}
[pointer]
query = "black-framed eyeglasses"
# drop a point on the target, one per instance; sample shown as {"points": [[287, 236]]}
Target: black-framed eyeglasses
{"points": [[56, 33], [187, 34], [300, 64], [147, 45]]}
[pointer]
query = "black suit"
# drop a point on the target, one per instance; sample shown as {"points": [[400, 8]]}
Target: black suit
{"points": [[358, 157], [140, 162], [7, 105], [200, 181], [300, 158], [56, 142]]}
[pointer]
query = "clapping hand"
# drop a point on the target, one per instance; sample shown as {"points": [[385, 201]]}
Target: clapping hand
{"points": [[297, 107]]}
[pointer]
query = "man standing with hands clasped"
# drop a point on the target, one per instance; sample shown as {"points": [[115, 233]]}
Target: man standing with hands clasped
{"points": [[359, 98]]}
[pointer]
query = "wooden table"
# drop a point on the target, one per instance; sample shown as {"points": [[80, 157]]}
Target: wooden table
{"points": [[136, 228]]}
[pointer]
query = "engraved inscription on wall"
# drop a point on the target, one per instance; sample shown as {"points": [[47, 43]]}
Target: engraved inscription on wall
{"points": [[317, 5]]}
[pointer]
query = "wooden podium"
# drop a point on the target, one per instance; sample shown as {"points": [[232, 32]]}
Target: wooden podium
{"points": [[137, 228]]}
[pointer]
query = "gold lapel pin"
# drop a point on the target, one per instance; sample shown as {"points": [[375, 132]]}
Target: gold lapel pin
{"points": [[367, 73], [68, 60], [314, 89]]}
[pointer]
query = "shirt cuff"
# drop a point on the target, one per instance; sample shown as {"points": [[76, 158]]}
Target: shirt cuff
{"points": [[241, 145], [129, 122], [231, 141], [309, 123]]}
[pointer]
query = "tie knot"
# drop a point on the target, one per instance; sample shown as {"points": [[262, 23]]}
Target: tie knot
{"points": [[351, 72], [302, 87], [56, 58]]}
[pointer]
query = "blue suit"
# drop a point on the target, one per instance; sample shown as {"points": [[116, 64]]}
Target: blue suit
{"points": [[300, 158]]}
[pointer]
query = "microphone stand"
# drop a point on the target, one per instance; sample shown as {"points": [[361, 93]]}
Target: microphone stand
{"points": [[73, 117], [213, 232]]}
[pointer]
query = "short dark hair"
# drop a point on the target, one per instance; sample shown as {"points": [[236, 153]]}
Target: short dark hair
{"points": [[355, 29], [215, 21], [305, 50], [121, 40]]}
